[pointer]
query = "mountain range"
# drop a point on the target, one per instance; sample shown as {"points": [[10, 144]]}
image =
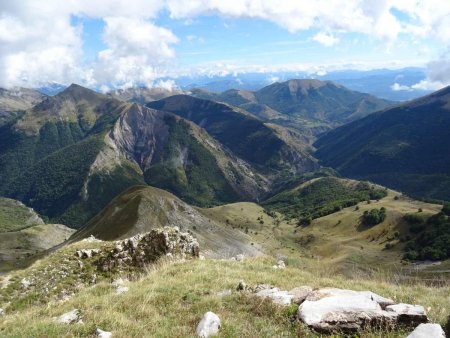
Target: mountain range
{"points": [[302, 104], [69, 155]]}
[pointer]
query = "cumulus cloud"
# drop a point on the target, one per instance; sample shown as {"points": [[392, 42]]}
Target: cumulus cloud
{"points": [[325, 39], [137, 52], [438, 75], [40, 43]]}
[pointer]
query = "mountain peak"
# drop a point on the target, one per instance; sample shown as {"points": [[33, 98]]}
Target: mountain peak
{"points": [[78, 92]]}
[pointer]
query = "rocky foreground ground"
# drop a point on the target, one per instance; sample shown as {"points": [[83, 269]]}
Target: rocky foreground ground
{"points": [[48, 294]]}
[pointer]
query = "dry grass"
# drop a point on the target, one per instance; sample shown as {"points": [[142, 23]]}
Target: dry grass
{"points": [[170, 299]]}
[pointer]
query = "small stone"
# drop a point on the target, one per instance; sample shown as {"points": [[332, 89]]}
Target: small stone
{"points": [[223, 293], [103, 334], [240, 258], [70, 317], [278, 296], [427, 331], [209, 325], [2, 312], [25, 283], [241, 286]]}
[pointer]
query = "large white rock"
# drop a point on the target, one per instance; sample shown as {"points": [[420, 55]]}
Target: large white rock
{"points": [[276, 295], [209, 325], [427, 331], [336, 309], [70, 317], [103, 334]]}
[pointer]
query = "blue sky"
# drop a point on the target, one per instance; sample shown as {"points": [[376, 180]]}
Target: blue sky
{"points": [[122, 43], [212, 39]]}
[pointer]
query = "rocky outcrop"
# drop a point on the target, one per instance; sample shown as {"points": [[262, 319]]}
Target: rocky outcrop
{"points": [[141, 250], [209, 325], [427, 331]]}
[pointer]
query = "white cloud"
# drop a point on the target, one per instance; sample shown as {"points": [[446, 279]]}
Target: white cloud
{"points": [[166, 84], [438, 75], [398, 87], [137, 52], [39, 43], [325, 39]]}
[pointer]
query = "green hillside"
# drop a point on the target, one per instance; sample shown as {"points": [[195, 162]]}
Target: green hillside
{"points": [[404, 147], [15, 216], [321, 197]]}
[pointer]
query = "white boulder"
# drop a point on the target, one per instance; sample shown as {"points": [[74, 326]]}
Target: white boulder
{"points": [[209, 325], [71, 317], [427, 331], [328, 309], [103, 334], [276, 295]]}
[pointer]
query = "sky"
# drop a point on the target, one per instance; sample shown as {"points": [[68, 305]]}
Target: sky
{"points": [[109, 44]]}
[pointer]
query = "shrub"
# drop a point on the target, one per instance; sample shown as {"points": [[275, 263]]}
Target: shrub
{"points": [[374, 217]]}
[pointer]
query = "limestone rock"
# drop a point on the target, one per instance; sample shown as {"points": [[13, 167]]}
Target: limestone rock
{"points": [[103, 334], [276, 295], [239, 258], [70, 317], [91, 239], [280, 264], [328, 310], [427, 331], [143, 249], [87, 253], [209, 325], [299, 294], [25, 283], [408, 314], [2, 312]]}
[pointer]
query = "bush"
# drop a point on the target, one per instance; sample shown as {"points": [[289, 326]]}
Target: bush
{"points": [[433, 243], [374, 216]]}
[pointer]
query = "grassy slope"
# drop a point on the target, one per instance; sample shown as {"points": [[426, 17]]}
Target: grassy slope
{"points": [[15, 216], [337, 240], [170, 299], [17, 248], [140, 209]]}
